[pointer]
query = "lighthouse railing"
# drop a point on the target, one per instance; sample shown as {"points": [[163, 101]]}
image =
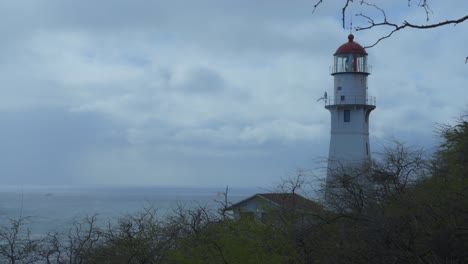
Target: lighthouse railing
{"points": [[351, 100], [343, 68]]}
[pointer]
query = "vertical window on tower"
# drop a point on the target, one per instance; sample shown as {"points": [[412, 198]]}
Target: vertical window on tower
{"points": [[347, 115]]}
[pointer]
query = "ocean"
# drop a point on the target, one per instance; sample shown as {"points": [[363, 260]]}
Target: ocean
{"points": [[54, 209]]}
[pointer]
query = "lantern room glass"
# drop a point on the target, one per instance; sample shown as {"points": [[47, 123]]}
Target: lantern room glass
{"points": [[350, 63]]}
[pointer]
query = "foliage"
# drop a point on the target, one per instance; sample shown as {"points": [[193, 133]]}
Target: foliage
{"points": [[451, 159], [401, 209], [234, 242]]}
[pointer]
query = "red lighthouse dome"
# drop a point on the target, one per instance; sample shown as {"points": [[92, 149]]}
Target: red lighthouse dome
{"points": [[350, 58], [351, 47]]}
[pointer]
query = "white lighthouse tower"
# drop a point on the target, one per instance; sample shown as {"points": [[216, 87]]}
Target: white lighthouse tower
{"points": [[350, 107]]}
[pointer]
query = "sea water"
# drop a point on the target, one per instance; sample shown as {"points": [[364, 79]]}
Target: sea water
{"points": [[54, 209]]}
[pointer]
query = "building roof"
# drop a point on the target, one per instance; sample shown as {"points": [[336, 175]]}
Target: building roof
{"points": [[284, 200], [351, 47]]}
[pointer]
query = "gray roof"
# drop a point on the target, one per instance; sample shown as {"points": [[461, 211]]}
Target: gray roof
{"points": [[284, 200]]}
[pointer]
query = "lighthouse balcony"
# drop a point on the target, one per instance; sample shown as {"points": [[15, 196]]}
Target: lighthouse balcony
{"points": [[346, 68], [351, 100]]}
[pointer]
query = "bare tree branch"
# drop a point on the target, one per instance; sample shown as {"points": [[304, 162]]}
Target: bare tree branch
{"points": [[316, 5], [424, 4], [343, 11], [405, 24]]}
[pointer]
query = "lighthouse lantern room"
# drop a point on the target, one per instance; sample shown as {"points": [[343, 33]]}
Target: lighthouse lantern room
{"points": [[350, 107]]}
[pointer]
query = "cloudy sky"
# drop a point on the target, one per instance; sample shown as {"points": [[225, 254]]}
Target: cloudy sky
{"points": [[205, 92]]}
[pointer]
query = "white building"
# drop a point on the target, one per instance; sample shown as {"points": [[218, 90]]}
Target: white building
{"points": [[266, 206], [350, 108]]}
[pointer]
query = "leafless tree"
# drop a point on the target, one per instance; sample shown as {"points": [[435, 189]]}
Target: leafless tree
{"points": [[16, 244], [348, 189], [351, 190], [398, 166], [192, 221], [224, 204], [294, 184], [51, 250], [142, 237], [383, 21], [82, 239]]}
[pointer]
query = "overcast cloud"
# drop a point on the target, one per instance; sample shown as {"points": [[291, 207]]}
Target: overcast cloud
{"points": [[204, 92]]}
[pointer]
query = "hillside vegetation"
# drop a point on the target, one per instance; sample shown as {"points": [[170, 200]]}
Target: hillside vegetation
{"points": [[411, 207]]}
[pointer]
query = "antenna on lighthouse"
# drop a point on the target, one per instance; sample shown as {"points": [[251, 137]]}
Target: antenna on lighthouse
{"points": [[324, 98]]}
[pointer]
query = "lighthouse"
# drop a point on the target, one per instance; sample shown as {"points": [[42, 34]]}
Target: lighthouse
{"points": [[350, 108]]}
